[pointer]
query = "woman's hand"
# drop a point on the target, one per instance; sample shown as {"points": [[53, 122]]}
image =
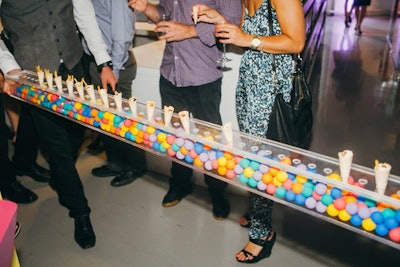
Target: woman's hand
{"points": [[232, 34]]}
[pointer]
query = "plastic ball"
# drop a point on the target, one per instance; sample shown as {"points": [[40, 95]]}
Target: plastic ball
{"points": [[244, 163], [356, 220], [261, 186], [222, 161], [388, 213], [339, 203], [257, 175], [391, 222], [281, 176], [316, 196], [332, 211], [280, 192], [307, 191], [377, 217], [252, 182], [238, 169], [351, 208], [381, 230], [320, 189], [327, 199], [263, 168], [230, 164], [208, 166], [310, 203], [248, 172], [368, 225], [290, 195], [267, 178], [397, 215], [221, 170], [334, 176], [255, 165], [300, 199], [321, 208], [243, 179], [288, 184], [276, 182], [344, 216], [364, 212], [273, 171], [271, 188], [297, 188], [394, 234], [336, 192]]}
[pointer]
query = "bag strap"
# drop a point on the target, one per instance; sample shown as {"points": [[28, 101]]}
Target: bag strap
{"points": [[271, 33]]}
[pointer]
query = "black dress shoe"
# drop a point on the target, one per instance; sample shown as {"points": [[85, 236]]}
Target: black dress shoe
{"points": [[126, 177], [84, 234], [105, 171], [36, 172], [221, 207], [18, 193], [175, 195]]}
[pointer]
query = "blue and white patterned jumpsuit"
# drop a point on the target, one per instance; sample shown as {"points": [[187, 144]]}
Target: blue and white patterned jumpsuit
{"points": [[255, 98]]}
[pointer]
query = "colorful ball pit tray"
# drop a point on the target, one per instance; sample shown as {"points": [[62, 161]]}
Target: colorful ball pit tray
{"points": [[300, 179]]}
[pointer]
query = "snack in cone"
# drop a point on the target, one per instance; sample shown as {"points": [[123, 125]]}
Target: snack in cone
{"points": [[133, 106], [70, 85], [150, 109], [227, 131], [49, 78], [79, 88], [90, 91], [40, 75], [195, 10], [168, 112], [184, 116], [118, 100], [345, 160], [382, 171], [58, 81], [103, 95]]}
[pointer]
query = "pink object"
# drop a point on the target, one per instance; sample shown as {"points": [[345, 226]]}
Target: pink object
{"points": [[8, 215], [394, 234]]}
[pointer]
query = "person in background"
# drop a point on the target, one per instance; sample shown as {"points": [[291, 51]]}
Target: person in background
{"points": [[190, 80], [45, 33], [26, 144], [117, 24], [255, 93], [347, 14], [360, 7], [10, 188]]}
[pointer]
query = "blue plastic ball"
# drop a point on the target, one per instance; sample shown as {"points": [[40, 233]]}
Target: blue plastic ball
{"points": [[381, 229], [391, 222], [356, 220], [377, 217], [290, 195], [300, 199]]}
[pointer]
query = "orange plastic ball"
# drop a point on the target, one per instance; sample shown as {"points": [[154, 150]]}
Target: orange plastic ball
{"points": [[267, 178]]}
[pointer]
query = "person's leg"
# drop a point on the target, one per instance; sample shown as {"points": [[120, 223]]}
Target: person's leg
{"points": [[205, 102], [180, 181], [261, 235]]}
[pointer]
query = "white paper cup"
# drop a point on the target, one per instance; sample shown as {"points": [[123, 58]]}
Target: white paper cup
{"points": [[382, 171], [345, 160]]}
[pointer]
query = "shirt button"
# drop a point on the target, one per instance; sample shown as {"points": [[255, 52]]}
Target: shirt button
{"points": [[57, 40], [60, 53], [51, 12], [54, 26], [175, 57]]}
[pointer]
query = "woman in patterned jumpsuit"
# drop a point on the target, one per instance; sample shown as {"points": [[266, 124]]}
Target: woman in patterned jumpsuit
{"points": [[255, 91]]}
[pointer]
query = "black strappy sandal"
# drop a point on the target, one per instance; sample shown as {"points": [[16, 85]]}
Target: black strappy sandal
{"points": [[264, 253]]}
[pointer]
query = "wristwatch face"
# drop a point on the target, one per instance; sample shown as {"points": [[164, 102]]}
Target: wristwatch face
{"points": [[255, 43]]}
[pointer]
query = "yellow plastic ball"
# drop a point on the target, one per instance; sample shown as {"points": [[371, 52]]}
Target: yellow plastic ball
{"points": [[221, 170], [334, 176], [276, 182], [230, 164], [344, 215], [161, 137], [368, 225], [197, 162], [273, 171], [332, 211], [301, 179], [281, 176], [248, 172], [151, 130], [222, 161]]}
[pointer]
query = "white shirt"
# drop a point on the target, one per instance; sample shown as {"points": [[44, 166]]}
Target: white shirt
{"points": [[86, 20]]}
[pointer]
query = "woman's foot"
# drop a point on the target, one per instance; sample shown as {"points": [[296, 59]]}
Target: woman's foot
{"points": [[244, 221], [358, 30], [256, 249], [347, 20]]}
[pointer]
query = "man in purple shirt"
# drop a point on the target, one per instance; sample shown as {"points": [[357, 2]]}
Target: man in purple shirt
{"points": [[190, 79]]}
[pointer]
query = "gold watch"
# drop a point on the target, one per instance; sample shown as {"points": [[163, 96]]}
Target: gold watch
{"points": [[255, 43]]}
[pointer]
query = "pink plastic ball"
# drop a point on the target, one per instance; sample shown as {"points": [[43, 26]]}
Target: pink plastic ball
{"points": [[339, 203], [271, 188], [394, 234]]}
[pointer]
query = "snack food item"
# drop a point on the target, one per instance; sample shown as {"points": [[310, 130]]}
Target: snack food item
{"points": [[382, 171], [184, 116], [118, 100], [79, 88], [40, 75], [168, 111], [90, 91], [49, 78], [195, 10], [133, 105], [227, 130], [345, 160], [103, 96], [150, 110], [58, 81], [70, 85]]}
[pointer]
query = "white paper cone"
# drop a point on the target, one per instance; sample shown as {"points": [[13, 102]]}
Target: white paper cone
{"points": [[195, 10], [104, 96], [345, 160], [168, 112], [227, 131], [118, 100], [70, 87], [40, 75], [79, 88], [133, 106], [150, 110], [90, 91], [184, 116], [58, 81], [382, 171], [49, 80]]}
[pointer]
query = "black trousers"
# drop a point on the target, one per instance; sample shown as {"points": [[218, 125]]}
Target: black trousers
{"points": [[7, 172], [120, 155], [203, 102], [61, 139]]}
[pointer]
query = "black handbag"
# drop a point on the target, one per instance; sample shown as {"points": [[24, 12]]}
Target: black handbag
{"points": [[291, 123]]}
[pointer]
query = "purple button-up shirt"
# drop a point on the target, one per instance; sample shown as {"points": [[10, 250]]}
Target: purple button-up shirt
{"points": [[193, 61]]}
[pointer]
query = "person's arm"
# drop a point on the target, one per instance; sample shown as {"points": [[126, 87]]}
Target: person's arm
{"points": [[122, 19], [144, 6], [86, 21], [291, 19]]}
